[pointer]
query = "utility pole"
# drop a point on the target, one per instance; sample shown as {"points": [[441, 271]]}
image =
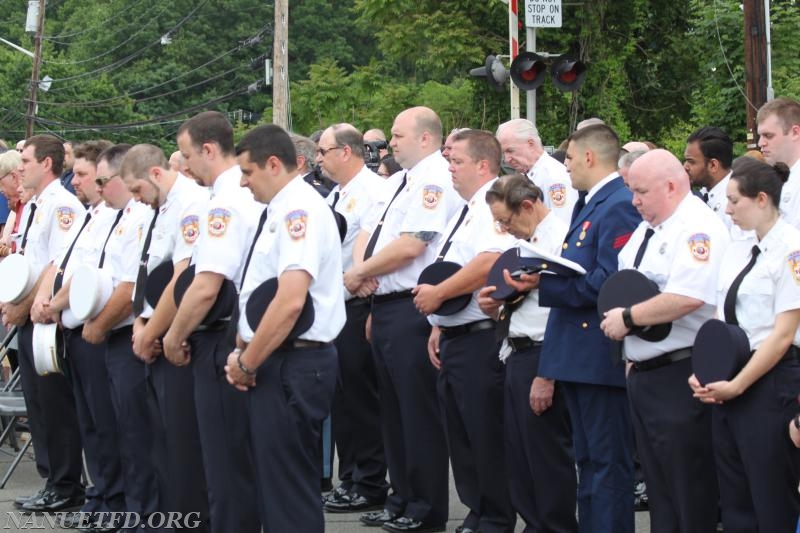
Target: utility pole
{"points": [[280, 78], [37, 65], [755, 61]]}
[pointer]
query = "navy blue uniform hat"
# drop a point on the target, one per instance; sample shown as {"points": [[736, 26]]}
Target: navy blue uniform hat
{"points": [[157, 281], [720, 350], [223, 305], [259, 301], [436, 273], [508, 260], [626, 288]]}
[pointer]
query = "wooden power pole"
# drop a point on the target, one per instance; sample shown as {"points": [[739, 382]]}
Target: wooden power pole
{"points": [[755, 63], [280, 77], [37, 65]]}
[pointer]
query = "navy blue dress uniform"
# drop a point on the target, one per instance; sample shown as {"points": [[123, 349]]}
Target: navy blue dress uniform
{"points": [[757, 465], [294, 387], [673, 430], [89, 377], [539, 457], [49, 400], [225, 235], [356, 407], [126, 372], [416, 449], [577, 354], [470, 382], [177, 448]]}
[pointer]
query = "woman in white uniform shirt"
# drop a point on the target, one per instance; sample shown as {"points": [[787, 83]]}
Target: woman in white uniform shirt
{"points": [[757, 465]]}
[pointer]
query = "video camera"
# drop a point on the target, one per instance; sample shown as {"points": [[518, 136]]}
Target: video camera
{"points": [[372, 154]]}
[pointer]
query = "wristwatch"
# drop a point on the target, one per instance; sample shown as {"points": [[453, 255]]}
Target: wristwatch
{"points": [[627, 319], [797, 421], [242, 367]]}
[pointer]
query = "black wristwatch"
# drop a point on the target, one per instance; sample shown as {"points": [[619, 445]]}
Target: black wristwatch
{"points": [[797, 421], [627, 319]]}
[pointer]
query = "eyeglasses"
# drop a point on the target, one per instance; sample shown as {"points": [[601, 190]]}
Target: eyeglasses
{"points": [[507, 222], [324, 151], [101, 181]]}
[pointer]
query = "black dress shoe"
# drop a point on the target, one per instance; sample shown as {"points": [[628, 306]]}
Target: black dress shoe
{"points": [[403, 523], [640, 501], [465, 529], [22, 500], [336, 495], [352, 502], [377, 518], [50, 500]]}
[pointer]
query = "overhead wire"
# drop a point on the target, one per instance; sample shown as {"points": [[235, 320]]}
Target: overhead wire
{"points": [[725, 57], [105, 24]]}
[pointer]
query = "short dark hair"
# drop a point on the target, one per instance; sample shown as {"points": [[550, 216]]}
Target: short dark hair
{"points": [[113, 156], [209, 127], [603, 141], [45, 146], [89, 150], [512, 190], [753, 176], [714, 144], [267, 141], [482, 145]]}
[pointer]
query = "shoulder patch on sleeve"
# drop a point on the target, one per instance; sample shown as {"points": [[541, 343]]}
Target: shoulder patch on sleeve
{"points": [[65, 216], [700, 246], [190, 228], [431, 194], [558, 194], [793, 259], [621, 241], [296, 223], [218, 220]]}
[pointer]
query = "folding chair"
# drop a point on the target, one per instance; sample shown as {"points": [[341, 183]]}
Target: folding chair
{"points": [[12, 408]]}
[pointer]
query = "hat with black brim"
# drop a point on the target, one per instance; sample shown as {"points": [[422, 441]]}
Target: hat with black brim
{"points": [[259, 301], [720, 350], [436, 273], [223, 305]]}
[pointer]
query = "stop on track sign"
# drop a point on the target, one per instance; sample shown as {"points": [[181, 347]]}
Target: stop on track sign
{"points": [[543, 13]]}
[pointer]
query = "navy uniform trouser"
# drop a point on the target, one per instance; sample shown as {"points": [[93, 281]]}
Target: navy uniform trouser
{"points": [[603, 441], [53, 422], [470, 390], [757, 463], [413, 434], [134, 413], [292, 396], [98, 423], [539, 457], [673, 437], [356, 409], [224, 437], [177, 452]]}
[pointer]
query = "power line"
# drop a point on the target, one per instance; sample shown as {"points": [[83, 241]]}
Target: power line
{"points": [[104, 24]]}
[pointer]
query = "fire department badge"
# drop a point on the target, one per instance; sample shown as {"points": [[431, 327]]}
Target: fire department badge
{"points": [[296, 224], [65, 216], [700, 246], [190, 228], [218, 219], [558, 194], [430, 196], [794, 265]]}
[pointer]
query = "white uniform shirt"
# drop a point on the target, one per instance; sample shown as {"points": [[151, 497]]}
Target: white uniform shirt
{"points": [[530, 320], [478, 233], [683, 257], [357, 201], [552, 177], [228, 230], [54, 225], [177, 226], [771, 287], [718, 202], [87, 249], [124, 246], [299, 234], [790, 197], [426, 203]]}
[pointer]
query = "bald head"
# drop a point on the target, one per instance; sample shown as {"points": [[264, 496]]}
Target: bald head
{"points": [[416, 134], [659, 183]]}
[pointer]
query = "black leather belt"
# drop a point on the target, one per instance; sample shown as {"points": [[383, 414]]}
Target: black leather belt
{"points": [[356, 302], [463, 329], [302, 344], [219, 325], [391, 296], [124, 330], [522, 343], [663, 360]]}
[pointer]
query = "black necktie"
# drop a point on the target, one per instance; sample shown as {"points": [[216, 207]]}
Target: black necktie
{"points": [[27, 228], [114, 225], [730, 298], [643, 247], [335, 199], [141, 277], [704, 196], [504, 323], [375, 234], [580, 204], [449, 242], [58, 281], [260, 227]]}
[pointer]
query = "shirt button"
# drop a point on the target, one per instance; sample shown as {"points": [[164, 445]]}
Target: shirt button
{"points": [[565, 246], [585, 325]]}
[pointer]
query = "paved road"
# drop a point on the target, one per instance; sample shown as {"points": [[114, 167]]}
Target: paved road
{"points": [[26, 481]]}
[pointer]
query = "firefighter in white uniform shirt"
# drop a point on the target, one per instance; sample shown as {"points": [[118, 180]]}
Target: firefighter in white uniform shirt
{"points": [[290, 382], [540, 465]]}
